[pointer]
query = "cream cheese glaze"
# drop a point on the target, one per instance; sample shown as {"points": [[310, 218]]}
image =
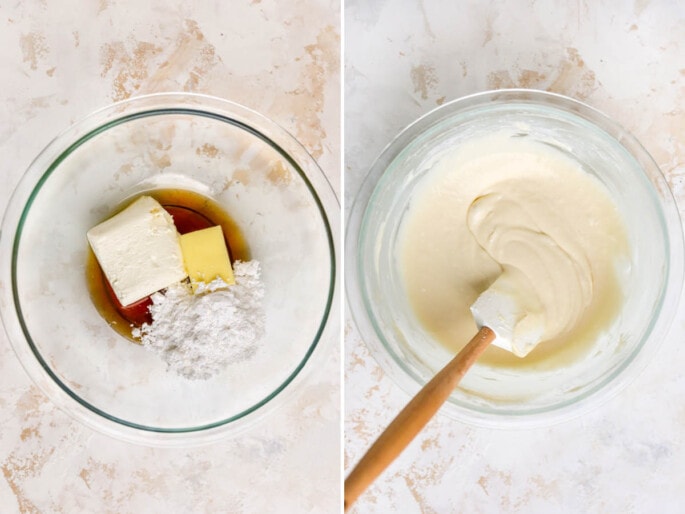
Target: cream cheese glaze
{"points": [[523, 210]]}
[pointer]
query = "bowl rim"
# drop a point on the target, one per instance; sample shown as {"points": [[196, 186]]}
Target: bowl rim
{"points": [[668, 302], [49, 159]]}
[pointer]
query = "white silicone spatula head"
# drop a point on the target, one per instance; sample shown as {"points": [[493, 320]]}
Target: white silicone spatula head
{"points": [[518, 327]]}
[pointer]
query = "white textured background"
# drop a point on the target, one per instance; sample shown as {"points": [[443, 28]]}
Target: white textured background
{"points": [[60, 60], [626, 58]]}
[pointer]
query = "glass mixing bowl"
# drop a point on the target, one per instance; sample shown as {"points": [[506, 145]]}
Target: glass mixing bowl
{"points": [[652, 280], [258, 173]]}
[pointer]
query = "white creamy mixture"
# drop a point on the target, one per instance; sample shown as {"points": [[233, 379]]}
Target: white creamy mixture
{"points": [[510, 207]]}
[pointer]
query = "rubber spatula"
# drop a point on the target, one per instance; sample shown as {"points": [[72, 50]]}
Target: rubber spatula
{"points": [[496, 313]]}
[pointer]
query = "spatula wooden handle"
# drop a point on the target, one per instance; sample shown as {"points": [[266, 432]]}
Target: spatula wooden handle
{"points": [[413, 417]]}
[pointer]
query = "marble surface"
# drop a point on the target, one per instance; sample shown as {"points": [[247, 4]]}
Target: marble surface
{"points": [[60, 61], [626, 58]]}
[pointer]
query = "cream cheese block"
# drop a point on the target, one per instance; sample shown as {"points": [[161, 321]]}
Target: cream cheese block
{"points": [[138, 250]]}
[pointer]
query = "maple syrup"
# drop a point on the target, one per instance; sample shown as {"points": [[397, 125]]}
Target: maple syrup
{"points": [[191, 211]]}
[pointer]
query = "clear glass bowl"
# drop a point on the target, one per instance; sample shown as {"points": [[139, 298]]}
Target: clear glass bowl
{"points": [[651, 281], [263, 178]]}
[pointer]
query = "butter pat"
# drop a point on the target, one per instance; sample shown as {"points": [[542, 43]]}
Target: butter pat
{"points": [[206, 257], [138, 250]]}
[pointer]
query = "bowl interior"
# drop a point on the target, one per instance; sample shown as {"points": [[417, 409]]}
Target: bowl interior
{"points": [[600, 148], [259, 183]]}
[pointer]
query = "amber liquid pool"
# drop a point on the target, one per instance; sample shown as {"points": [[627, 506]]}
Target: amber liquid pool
{"points": [[191, 211]]}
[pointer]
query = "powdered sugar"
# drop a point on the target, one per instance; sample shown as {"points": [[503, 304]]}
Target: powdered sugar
{"points": [[199, 334]]}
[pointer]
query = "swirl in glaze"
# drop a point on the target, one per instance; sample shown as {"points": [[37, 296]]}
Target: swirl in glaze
{"points": [[517, 209]]}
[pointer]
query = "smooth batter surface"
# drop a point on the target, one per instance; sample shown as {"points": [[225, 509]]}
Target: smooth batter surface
{"points": [[508, 205]]}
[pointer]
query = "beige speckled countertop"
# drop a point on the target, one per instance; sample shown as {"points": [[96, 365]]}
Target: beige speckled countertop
{"points": [[60, 61], [625, 58]]}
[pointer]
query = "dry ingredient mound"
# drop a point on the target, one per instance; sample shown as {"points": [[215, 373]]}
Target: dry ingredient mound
{"points": [[199, 334]]}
